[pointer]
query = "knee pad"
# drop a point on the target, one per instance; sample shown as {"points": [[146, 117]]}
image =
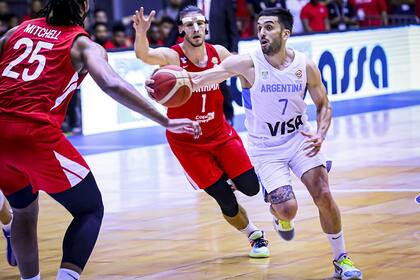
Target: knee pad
{"points": [[224, 196], [280, 195], [247, 183]]}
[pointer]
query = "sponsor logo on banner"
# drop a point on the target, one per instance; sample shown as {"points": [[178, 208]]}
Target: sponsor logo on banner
{"points": [[379, 80]]}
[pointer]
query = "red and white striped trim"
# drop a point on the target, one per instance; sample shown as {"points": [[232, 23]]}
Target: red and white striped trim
{"points": [[74, 171]]}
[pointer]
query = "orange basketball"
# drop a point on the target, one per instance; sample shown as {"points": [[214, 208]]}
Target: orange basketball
{"points": [[172, 86]]}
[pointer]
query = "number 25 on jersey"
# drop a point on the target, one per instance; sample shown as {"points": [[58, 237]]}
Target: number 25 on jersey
{"points": [[34, 57]]}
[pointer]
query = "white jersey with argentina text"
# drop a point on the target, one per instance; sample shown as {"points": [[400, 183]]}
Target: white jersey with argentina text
{"points": [[274, 106]]}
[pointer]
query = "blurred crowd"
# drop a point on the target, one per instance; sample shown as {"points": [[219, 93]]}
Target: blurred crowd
{"points": [[229, 21], [310, 16]]}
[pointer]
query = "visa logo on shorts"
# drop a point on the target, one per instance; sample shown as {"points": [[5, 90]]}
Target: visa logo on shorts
{"points": [[379, 80], [285, 127], [281, 88]]}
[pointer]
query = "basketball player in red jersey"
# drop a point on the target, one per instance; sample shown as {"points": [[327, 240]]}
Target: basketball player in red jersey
{"points": [[6, 217], [219, 154], [42, 62]]}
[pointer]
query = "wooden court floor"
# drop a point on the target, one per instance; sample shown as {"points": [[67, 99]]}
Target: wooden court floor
{"points": [[157, 227]]}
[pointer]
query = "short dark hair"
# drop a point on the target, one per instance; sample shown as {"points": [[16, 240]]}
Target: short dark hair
{"points": [[118, 27], [284, 16], [166, 19], [188, 9], [64, 12]]}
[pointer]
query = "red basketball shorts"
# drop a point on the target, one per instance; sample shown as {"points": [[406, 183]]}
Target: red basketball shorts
{"points": [[205, 163], [38, 154]]}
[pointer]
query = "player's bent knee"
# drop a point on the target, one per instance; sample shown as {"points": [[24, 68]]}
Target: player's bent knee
{"points": [[287, 210], [224, 196], [247, 183]]}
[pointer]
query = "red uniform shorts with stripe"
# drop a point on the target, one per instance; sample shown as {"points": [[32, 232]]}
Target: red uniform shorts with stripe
{"points": [[205, 162], [38, 154]]}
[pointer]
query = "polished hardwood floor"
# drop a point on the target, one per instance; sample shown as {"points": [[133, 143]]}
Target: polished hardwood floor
{"points": [[157, 227]]}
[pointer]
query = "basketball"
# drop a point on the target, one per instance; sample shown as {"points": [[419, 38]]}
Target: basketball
{"points": [[172, 86]]}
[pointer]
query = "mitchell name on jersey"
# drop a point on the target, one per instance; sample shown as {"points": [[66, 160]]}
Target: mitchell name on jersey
{"points": [[42, 32]]}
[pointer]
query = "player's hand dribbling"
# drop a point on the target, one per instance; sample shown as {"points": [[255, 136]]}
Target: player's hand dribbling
{"points": [[184, 126], [314, 143], [142, 23]]}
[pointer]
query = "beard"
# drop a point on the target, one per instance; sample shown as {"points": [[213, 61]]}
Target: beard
{"points": [[199, 44], [272, 48]]}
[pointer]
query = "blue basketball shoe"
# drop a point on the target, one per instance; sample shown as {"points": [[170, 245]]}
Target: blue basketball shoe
{"points": [[9, 251]]}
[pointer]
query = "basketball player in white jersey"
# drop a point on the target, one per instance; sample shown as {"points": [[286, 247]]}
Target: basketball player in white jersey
{"points": [[279, 137]]}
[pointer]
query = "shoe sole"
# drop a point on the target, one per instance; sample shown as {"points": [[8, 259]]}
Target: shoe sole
{"points": [[259, 256]]}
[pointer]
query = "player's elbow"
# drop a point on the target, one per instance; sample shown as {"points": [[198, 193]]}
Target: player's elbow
{"points": [[142, 55], [138, 54]]}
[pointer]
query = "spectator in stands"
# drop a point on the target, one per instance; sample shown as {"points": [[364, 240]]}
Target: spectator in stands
{"points": [[221, 30], [418, 11], [100, 33], [257, 6], [166, 26], [154, 35], [119, 38], [314, 16], [13, 21], [36, 6], [170, 9], [243, 19], [342, 15], [402, 7], [295, 7], [3, 27], [100, 16], [4, 10], [371, 12]]}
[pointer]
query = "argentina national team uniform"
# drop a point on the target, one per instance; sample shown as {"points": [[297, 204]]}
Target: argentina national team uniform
{"points": [[275, 115]]}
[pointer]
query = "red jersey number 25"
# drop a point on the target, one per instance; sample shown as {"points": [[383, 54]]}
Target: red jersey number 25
{"points": [[34, 57]]}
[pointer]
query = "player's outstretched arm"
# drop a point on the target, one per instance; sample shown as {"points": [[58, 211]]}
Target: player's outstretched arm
{"points": [[159, 56], [234, 65], [93, 58], [323, 108]]}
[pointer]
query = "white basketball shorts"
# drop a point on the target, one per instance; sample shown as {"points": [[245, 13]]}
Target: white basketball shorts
{"points": [[273, 161]]}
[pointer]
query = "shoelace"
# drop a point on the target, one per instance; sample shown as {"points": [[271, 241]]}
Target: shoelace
{"points": [[260, 242]]}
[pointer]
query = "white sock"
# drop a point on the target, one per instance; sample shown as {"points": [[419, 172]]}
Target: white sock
{"points": [[67, 274], [250, 228], [38, 277], [337, 244]]}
